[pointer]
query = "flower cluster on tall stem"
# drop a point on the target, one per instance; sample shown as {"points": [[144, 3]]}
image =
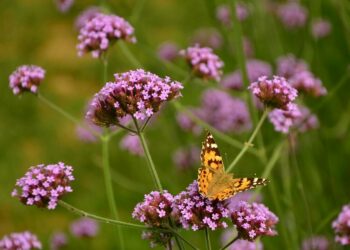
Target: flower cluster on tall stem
{"points": [[26, 78], [43, 185], [136, 93], [99, 33]]}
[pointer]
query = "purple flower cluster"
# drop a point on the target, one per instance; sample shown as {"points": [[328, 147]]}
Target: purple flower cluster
{"points": [[155, 210], [132, 144], [204, 62], [228, 114], [64, 5], [305, 81], [275, 92], [284, 119], [98, 34], [20, 241], [320, 28], [86, 16], [207, 37], [253, 220], [341, 226], [316, 243], [223, 13], [136, 93], [184, 158], [289, 65], [306, 121], [44, 185], [255, 69], [58, 241], [196, 212], [26, 78], [168, 51], [292, 15], [297, 72], [84, 228]]}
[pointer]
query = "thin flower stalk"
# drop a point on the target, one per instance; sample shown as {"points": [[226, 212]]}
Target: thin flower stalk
{"points": [[250, 141], [150, 162], [207, 239]]}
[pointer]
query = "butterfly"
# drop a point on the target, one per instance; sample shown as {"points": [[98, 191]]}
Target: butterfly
{"points": [[213, 182]]}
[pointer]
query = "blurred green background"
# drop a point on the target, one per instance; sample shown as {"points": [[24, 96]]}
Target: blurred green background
{"points": [[35, 32]]}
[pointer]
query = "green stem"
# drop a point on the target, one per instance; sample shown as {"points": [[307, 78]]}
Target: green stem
{"points": [[237, 32], [99, 218], [230, 243], [249, 143], [150, 162], [58, 109], [207, 239], [109, 186], [65, 114], [129, 55], [220, 135]]}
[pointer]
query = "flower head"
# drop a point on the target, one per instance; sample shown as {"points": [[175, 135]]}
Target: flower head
{"points": [[136, 93], [227, 114], [223, 13], [253, 220], [44, 185], [284, 119], [64, 5], [185, 158], [289, 65], [305, 82], [275, 92], [292, 15], [306, 121], [204, 62], [20, 241], [155, 210], [316, 243], [207, 37], [320, 28], [58, 241], [195, 212], [86, 16], [255, 69], [341, 226], [132, 144], [98, 34], [168, 51], [26, 78], [84, 228]]}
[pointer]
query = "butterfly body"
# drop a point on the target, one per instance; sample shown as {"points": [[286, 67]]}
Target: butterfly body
{"points": [[213, 182]]}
